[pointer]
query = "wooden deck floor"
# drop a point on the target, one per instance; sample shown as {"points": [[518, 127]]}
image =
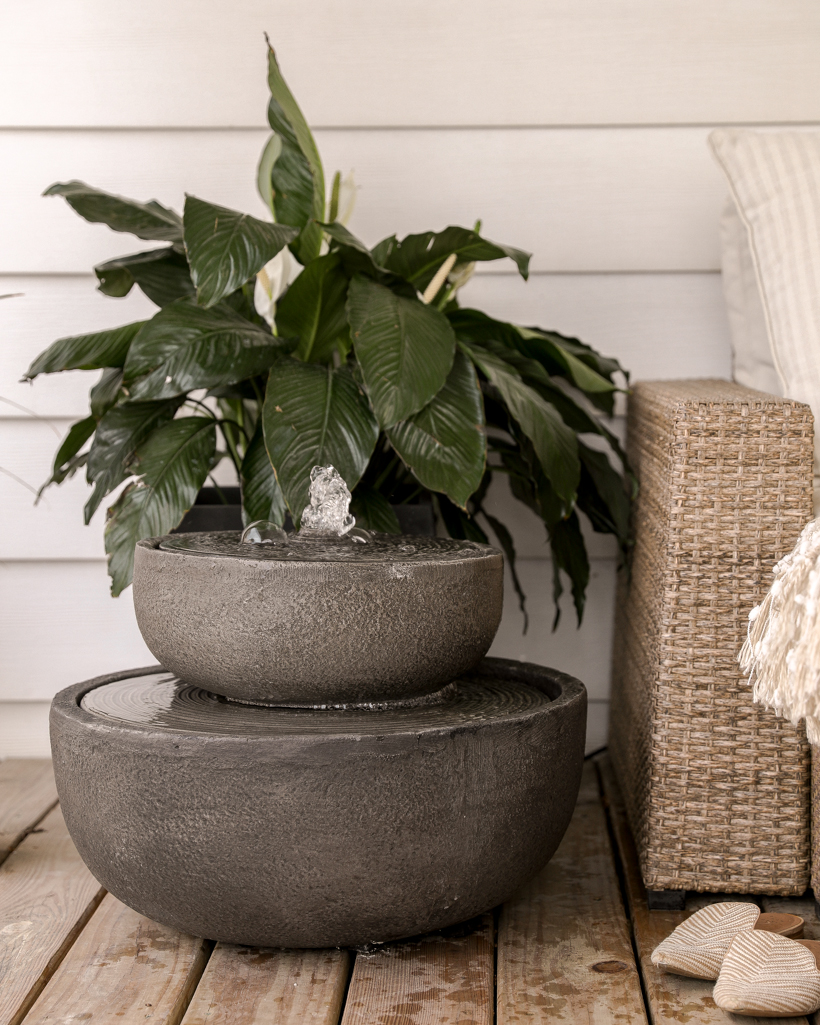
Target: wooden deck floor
{"points": [[573, 946]]}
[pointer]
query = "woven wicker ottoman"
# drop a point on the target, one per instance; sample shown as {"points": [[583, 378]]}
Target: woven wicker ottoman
{"points": [[717, 789]]}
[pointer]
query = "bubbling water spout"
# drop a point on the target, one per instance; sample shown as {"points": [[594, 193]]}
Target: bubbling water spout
{"points": [[329, 508]]}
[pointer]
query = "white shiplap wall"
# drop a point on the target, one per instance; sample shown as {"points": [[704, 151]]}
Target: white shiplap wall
{"points": [[574, 128]]}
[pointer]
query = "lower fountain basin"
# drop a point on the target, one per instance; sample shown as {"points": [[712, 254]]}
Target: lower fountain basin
{"points": [[303, 828]]}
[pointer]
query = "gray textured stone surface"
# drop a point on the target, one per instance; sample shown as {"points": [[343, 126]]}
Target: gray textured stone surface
{"points": [[378, 623], [297, 828]]}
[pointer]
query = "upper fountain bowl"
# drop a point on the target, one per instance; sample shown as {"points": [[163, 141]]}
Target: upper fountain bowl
{"points": [[317, 620]]}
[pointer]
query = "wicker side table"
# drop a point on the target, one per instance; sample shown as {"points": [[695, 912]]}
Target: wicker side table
{"points": [[717, 789]]}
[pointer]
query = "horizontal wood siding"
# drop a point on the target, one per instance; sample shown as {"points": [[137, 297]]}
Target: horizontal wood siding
{"points": [[574, 128], [181, 63]]}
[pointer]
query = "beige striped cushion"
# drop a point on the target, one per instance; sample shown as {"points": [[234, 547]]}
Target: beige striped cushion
{"points": [[774, 178], [698, 945], [767, 974]]}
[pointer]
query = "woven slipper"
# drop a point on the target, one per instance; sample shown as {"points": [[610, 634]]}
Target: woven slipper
{"points": [[698, 946], [765, 974]]}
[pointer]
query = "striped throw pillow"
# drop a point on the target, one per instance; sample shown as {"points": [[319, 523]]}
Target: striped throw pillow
{"points": [[774, 178]]}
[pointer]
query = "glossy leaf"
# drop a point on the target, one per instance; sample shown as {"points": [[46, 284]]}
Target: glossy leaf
{"points": [[313, 310], [570, 555], [404, 348], [444, 443], [458, 523], [106, 391], [86, 352], [357, 258], [417, 257], [119, 434], [174, 463], [373, 511], [150, 221], [555, 444], [602, 495], [162, 274], [315, 415], [505, 541], [539, 346], [67, 461], [185, 347], [225, 247], [297, 177], [262, 498], [264, 184]]}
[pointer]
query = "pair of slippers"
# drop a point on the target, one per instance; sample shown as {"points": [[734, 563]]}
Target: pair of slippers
{"points": [[760, 965]]}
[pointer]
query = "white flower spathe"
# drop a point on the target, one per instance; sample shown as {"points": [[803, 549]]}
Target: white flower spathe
{"points": [[271, 282]]}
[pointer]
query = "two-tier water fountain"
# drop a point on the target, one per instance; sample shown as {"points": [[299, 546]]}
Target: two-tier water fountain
{"points": [[324, 757]]}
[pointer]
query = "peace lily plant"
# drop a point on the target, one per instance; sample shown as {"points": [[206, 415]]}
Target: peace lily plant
{"points": [[363, 360]]}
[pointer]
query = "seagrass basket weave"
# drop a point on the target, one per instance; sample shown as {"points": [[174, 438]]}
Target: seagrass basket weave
{"points": [[717, 789]]}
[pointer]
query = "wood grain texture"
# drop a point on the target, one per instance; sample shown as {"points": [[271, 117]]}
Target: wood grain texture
{"points": [[564, 949], [46, 896], [599, 199], [420, 62], [442, 979], [252, 986], [27, 792], [122, 968], [673, 999]]}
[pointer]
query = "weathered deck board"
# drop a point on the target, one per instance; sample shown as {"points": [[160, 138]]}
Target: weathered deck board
{"points": [[249, 986], [672, 998], [27, 792], [123, 968], [442, 979], [46, 897], [564, 949]]}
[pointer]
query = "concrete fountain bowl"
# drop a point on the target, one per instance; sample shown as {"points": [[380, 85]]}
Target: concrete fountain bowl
{"points": [[294, 827], [317, 621]]}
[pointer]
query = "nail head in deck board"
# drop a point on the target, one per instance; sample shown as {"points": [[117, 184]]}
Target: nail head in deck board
{"points": [[122, 967], [564, 949], [442, 979], [27, 792], [673, 999], [46, 896], [254, 986]]}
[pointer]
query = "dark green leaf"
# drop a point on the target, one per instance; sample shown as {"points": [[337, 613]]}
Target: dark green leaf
{"points": [[174, 463], [417, 257], [106, 391], [262, 498], [86, 352], [162, 274], [150, 221], [315, 415], [538, 345], [380, 253], [602, 495], [606, 366], [444, 444], [458, 523], [270, 154], [313, 310], [505, 541], [119, 434], [185, 346], [570, 555], [373, 511], [404, 348], [225, 248], [297, 178], [555, 444], [67, 461]]}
